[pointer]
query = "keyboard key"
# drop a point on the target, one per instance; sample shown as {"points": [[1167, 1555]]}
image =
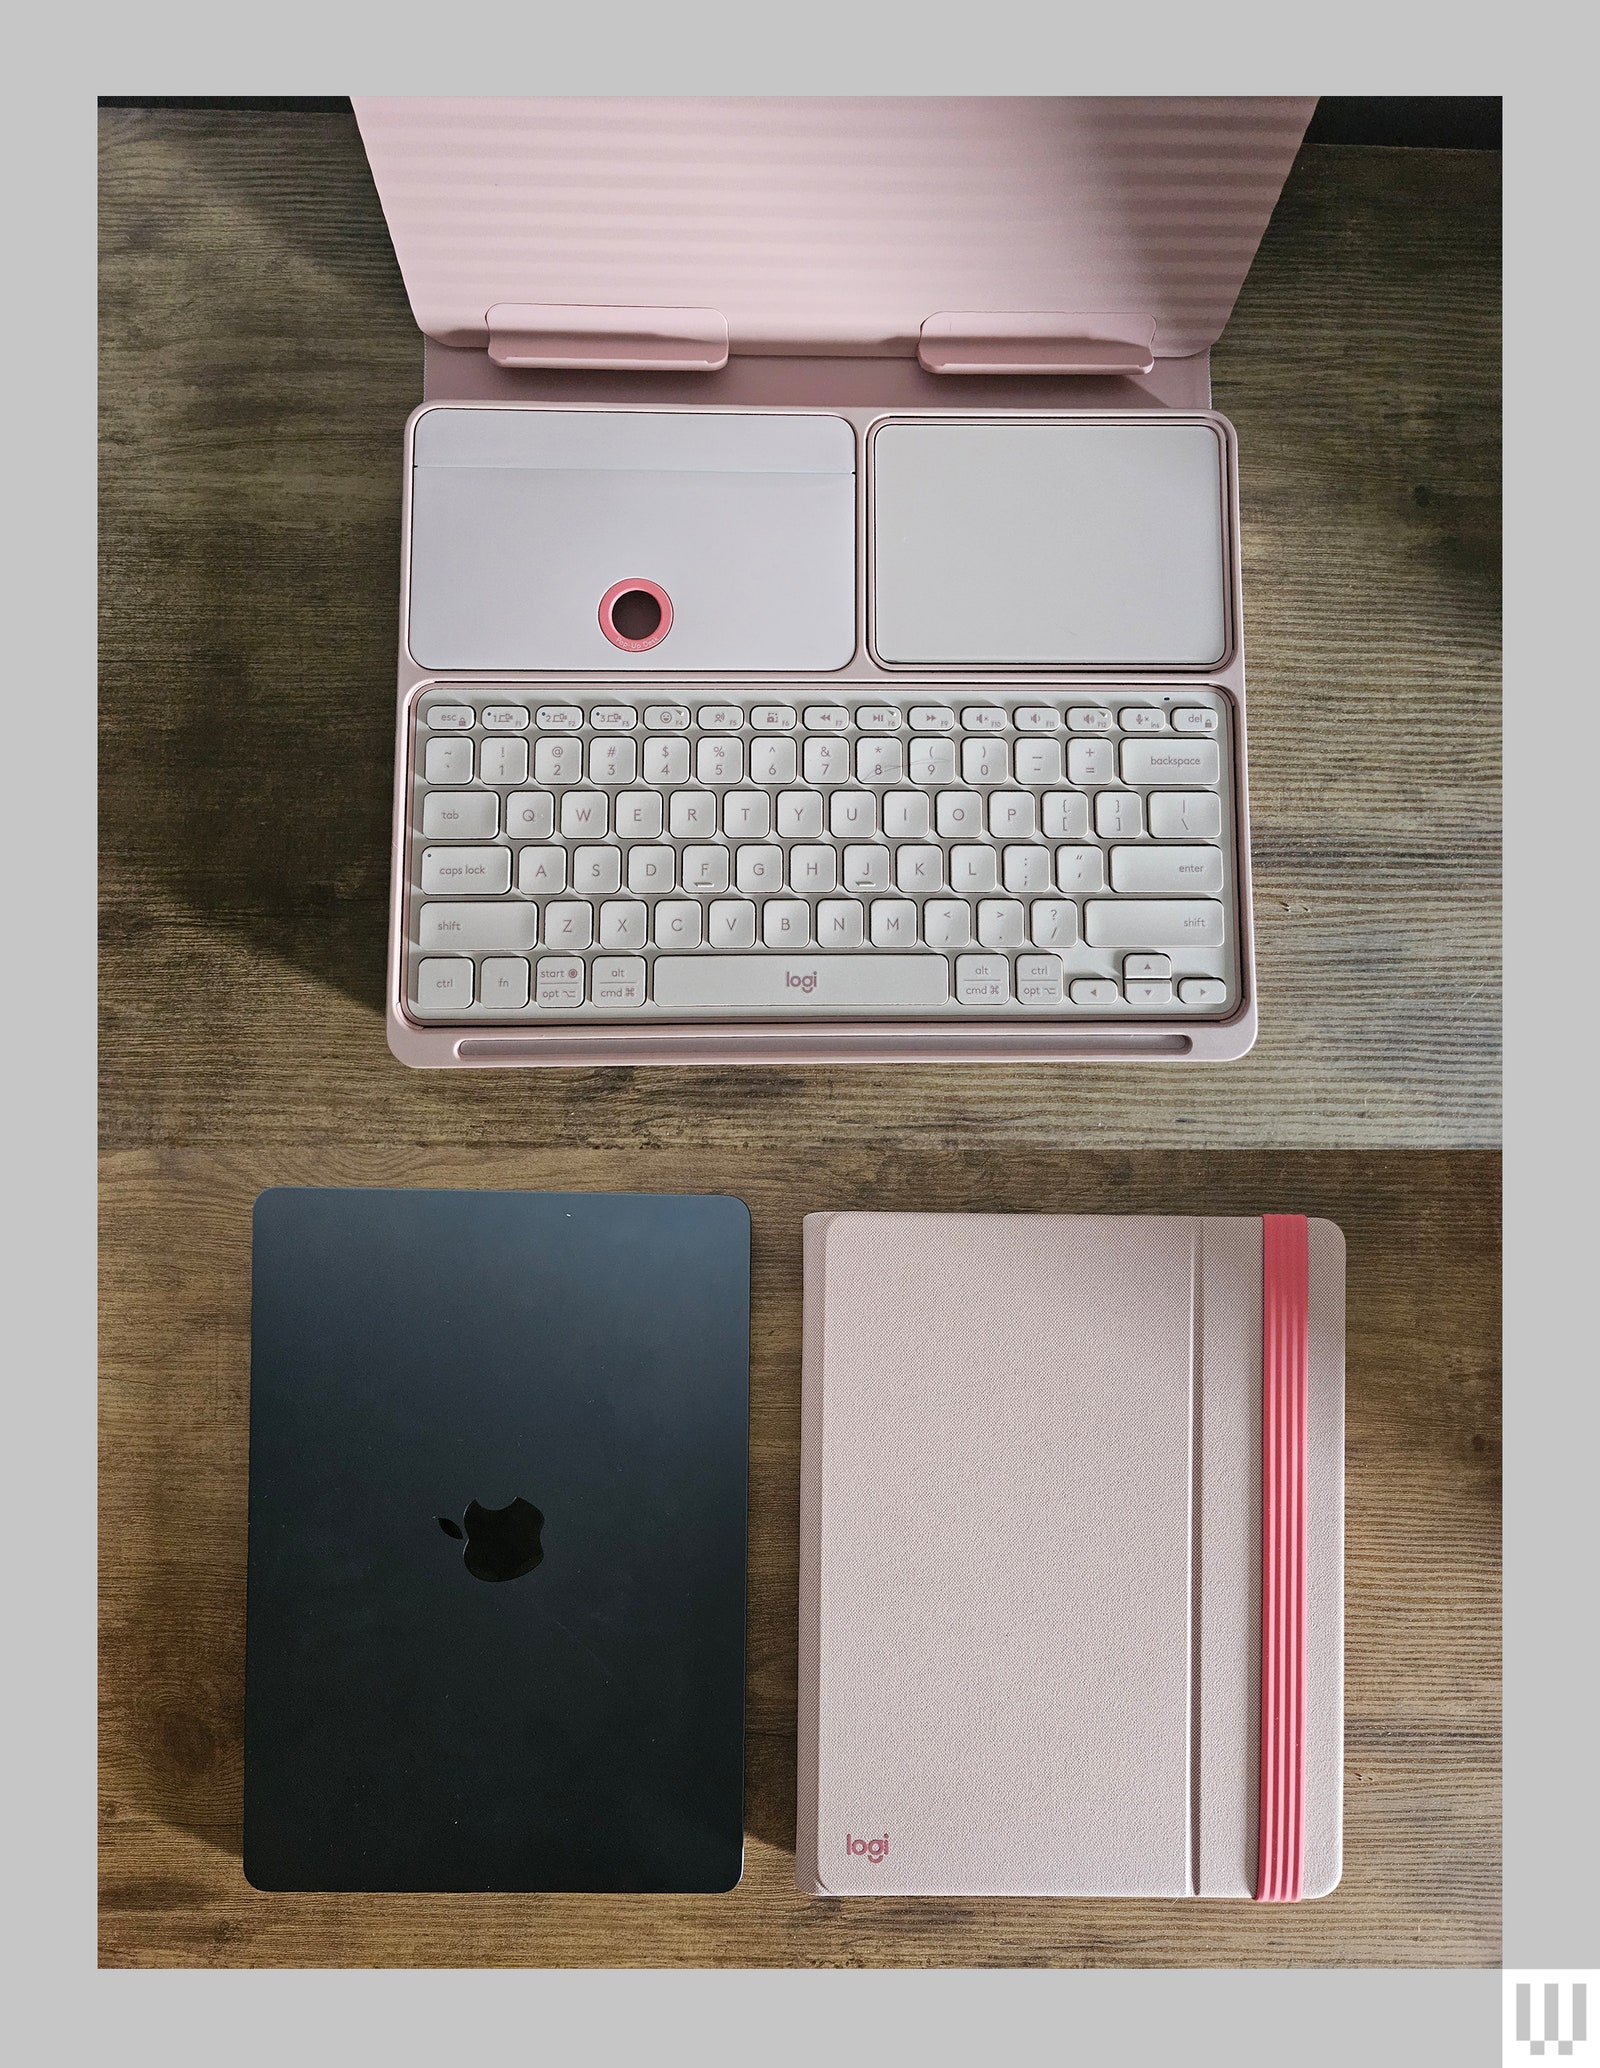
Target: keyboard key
{"points": [[1038, 761], [1147, 992], [812, 983], [772, 718], [877, 718], [1188, 871], [905, 815], [931, 762], [758, 868], [1203, 991], [505, 718], [772, 760], [879, 761], [652, 871], [613, 718], [1146, 923], [852, 814], [465, 927], [827, 761], [541, 871], [503, 761], [1095, 991], [918, 870], [1035, 718], [958, 814], [1088, 718], [451, 717], [813, 870], [786, 923], [985, 718], [666, 761], [1141, 718], [1039, 980], [692, 814], [1011, 815], [972, 869], [747, 814], [1064, 815], [985, 761], [638, 815], [617, 980], [503, 983], [558, 761], [558, 984], [559, 718], [866, 867], [827, 718], [448, 761], [932, 718], [731, 923], [1091, 761], [596, 870], [893, 922], [460, 815], [719, 761], [666, 717], [1080, 868], [1000, 923], [1144, 968], [1053, 923], [583, 815], [613, 761], [720, 718], [799, 815], [705, 869], [444, 984], [1194, 719], [1118, 815], [840, 923], [947, 922], [568, 925], [1025, 869], [983, 979], [1169, 761], [1186, 815], [623, 924], [678, 923], [484, 871]]}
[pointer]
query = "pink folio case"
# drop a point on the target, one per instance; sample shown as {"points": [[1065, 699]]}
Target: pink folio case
{"points": [[813, 373], [1071, 1578]]}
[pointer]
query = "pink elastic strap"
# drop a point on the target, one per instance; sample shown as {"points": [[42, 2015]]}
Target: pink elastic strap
{"points": [[1285, 1358]]}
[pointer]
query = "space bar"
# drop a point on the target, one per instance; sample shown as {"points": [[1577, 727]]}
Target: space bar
{"points": [[801, 983]]}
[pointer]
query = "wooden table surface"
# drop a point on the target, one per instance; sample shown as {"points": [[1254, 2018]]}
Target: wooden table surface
{"points": [[259, 360]]}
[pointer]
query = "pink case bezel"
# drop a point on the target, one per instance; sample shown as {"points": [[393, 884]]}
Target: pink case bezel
{"points": [[570, 1045]]}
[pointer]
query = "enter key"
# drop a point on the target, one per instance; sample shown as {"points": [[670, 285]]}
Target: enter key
{"points": [[1167, 871]]}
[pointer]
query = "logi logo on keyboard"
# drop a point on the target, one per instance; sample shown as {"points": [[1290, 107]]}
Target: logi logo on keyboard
{"points": [[875, 1849], [800, 980]]}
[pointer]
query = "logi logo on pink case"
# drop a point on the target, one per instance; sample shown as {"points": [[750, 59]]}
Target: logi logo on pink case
{"points": [[876, 1849]]}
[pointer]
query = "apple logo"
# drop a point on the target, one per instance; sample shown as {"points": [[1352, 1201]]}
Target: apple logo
{"points": [[502, 1543]]}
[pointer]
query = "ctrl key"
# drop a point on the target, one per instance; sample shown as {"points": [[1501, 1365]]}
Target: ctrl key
{"points": [[559, 984], [444, 983]]}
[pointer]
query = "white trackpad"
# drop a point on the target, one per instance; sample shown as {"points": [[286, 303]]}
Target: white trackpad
{"points": [[1049, 544], [722, 541]]}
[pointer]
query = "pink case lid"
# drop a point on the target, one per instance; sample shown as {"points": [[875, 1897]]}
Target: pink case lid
{"points": [[832, 226]]}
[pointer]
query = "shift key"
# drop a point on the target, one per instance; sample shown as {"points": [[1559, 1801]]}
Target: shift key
{"points": [[477, 871], [1154, 923]]}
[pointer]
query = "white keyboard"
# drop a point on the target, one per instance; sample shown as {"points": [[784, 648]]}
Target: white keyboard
{"points": [[930, 853]]}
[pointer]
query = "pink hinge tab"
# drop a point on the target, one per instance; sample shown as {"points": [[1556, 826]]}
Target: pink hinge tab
{"points": [[607, 340], [1038, 344]]}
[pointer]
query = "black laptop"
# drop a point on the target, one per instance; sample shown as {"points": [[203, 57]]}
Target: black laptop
{"points": [[498, 1477]]}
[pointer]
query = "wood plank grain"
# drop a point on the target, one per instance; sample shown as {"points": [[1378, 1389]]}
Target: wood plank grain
{"points": [[1421, 1883], [259, 362]]}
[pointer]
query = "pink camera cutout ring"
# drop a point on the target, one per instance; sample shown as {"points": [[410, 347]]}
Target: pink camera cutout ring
{"points": [[636, 615]]}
